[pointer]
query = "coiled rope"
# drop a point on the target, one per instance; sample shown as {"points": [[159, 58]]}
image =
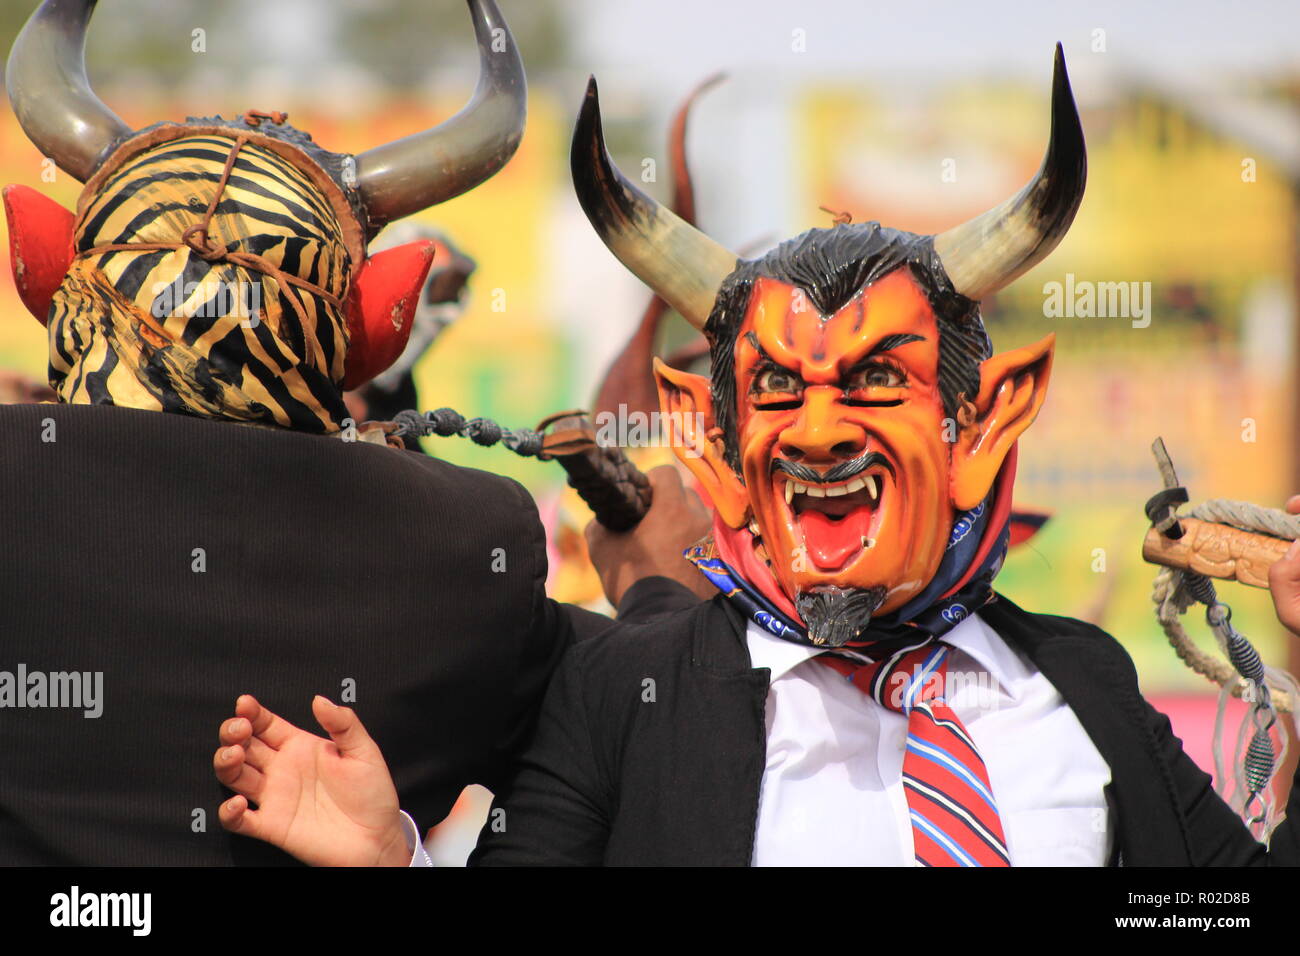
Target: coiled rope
{"points": [[1267, 690]]}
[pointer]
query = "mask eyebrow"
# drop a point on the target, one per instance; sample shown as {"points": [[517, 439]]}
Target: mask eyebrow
{"points": [[889, 342], [896, 341], [765, 363], [765, 359]]}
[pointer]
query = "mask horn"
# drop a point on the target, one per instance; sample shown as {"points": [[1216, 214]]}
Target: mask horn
{"points": [[427, 168], [46, 78], [989, 252], [381, 309], [680, 263]]}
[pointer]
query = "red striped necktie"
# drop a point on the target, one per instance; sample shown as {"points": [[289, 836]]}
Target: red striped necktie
{"points": [[954, 817]]}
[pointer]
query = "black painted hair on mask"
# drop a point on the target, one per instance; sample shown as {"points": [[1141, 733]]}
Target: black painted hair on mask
{"points": [[831, 266]]}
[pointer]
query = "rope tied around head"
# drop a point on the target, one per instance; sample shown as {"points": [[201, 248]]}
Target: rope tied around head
{"points": [[255, 117], [197, 239]]}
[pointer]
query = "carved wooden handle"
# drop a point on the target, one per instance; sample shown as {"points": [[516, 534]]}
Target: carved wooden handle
{"points": [[1217, 551]]}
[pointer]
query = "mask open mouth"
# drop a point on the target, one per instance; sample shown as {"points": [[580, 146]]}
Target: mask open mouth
{"points": [[838, 520]]}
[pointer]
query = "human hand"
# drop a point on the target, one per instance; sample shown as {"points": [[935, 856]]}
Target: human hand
{"points": [[327, 802], [1284, 580], [677, 519]]}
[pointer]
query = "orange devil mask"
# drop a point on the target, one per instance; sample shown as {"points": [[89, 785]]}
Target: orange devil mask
{"points": [[855, 417]]}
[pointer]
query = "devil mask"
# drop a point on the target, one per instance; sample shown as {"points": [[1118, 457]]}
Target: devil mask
{"points": [[218, 267], [857, 434]]}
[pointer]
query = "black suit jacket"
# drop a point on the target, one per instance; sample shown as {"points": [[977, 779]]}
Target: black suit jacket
{"points": [[620, 775], [327, 566]]}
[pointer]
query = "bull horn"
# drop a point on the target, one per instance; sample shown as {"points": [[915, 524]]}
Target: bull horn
{"points": [[427, 168], [680, 263], [991, 251], [50, 94]]}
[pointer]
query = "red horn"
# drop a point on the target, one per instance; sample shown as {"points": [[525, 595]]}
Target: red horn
{"points": [[40, 246], [381, 308]]}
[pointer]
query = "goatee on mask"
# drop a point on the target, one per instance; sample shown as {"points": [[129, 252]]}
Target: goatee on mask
{"points": [[834, 616]]}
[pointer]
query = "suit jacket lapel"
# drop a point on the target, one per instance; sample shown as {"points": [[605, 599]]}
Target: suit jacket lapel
{"points": [[725, 706], [1086, 672]]}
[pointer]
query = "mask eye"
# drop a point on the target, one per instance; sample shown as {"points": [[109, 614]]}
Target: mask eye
{"points": [[778, 380], [776, 389], [875, 375]]}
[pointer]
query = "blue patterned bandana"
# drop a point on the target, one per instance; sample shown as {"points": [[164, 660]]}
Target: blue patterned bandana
{"points": [[928, 612]]}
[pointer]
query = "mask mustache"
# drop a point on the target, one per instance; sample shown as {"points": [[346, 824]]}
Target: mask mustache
{"points": [[841, 472]]}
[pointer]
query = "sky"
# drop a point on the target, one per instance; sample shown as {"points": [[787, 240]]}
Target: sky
{"points": [[942, 38], [912, 41]]}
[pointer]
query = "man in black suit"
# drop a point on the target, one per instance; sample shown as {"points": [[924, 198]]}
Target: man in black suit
{"points": [[857, 441], [183, 561]]}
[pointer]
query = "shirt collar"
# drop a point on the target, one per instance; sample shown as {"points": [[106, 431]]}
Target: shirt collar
{"points": [[780, 656], [972, 637], [975, 638]]}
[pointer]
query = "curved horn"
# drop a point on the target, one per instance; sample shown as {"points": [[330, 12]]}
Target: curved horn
{"points": [[46, 78], [989, 252], [427, 168], [679, 262]]}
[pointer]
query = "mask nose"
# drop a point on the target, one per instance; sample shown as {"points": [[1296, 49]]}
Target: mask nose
{"points": [[820, 433]]}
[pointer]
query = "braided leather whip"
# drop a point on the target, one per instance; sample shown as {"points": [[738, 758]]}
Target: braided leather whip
{"points": [[617, 492]]}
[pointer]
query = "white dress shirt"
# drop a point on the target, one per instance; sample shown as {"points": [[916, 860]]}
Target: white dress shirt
{"points": [[832, 791]]}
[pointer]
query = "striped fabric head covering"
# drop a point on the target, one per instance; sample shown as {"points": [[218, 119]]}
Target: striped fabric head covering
{"points": [[173, 329], [183, 229]]}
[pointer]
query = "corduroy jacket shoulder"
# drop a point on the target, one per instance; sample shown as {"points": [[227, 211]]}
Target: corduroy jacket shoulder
{"points": [[651, 746]]}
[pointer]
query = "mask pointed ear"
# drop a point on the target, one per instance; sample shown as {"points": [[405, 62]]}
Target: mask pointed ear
{"points": [[1013, 386], [381, 308], [40, 246], [686, 403]]}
